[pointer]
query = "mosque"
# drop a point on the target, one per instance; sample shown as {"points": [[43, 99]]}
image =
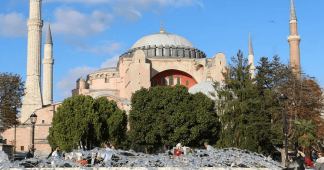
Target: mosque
{"points": [[157, 59]]}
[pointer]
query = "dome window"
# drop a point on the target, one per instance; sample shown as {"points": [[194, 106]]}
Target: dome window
{"points": [[155, 82], [178, 80], [171, 79], [164, 81], [187, 82]]}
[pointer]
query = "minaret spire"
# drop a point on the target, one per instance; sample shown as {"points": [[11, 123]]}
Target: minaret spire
{"points": [[48, 39], [250, 44], [294, 40], [48, 63], [162, 29], [251, 57], [292, 11]]}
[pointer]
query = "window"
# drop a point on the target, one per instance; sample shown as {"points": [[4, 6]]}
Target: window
{"points": [[155, 82], [139, 61], [163, 81], [171, 52], [43, 121], [157, 51], [187, 82], [220, 62], [171, 79], [178, 80], [22, 148]]}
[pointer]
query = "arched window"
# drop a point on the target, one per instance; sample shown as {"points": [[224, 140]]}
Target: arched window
{"points": [[155, 82], [171, 79], [187, 82], [171, 52], [163, 81], [157, 51], [178, 80]]}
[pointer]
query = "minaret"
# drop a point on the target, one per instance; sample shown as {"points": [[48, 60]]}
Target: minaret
{"points": [[33, 96], [294, 40], [48, 63], [251, 57]]}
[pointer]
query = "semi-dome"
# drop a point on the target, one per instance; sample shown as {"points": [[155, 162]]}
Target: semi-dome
{"points": [[163, 38], [206, 88]]}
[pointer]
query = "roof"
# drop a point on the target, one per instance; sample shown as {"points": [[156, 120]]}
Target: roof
{"points": [[206, 88], [163, 38], [48, 39], [109, 69], [80, 79], [250, 45], [292, 11]]}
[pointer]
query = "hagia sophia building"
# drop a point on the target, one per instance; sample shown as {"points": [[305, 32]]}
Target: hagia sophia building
{"points": [[157, 59]]}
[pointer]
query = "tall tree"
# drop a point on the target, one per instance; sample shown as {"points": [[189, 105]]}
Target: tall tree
{"points": [[84, 121], [244, 114], [165, 115], [11, 93]]}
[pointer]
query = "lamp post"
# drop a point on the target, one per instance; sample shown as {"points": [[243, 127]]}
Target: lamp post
{"points": [[33, 119], [283, 97]]}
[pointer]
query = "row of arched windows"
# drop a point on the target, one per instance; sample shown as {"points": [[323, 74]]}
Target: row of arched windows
{"points": [[164, 81]]}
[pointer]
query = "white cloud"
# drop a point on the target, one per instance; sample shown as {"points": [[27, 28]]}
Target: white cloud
{"points": [[65, 94], [102, 49], [72, 22], [13, 25], [112, 62], [132, 9], [68, 82]]}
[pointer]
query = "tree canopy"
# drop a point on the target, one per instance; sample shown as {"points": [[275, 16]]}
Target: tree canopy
{"points": [[165, 116], [11, 93], [84, 121]]}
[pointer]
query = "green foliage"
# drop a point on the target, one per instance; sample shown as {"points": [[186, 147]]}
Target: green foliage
{"points": [[248, 106], [306, 132], [89, 121], [166, 115]]}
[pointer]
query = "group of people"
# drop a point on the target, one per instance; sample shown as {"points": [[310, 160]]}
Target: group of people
{"points": [[104, 158], [179, 148], [305, 162]]}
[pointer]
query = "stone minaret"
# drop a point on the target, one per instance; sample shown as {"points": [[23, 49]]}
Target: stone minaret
{"points": [[251, 57], [33, 95], [48, 63], [294, 40]]}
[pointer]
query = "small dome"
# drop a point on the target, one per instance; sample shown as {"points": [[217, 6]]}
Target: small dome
{"points": [[206, 88], [81, 79], [163, 38]]}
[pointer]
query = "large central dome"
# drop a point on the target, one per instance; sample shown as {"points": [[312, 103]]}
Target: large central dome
{"points": [[163, 38]]}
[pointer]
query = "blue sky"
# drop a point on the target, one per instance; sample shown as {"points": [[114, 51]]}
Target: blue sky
{"points": [[91, 34]]}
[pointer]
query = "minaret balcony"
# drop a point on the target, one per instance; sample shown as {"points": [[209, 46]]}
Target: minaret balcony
{"points": [[293, 37]]}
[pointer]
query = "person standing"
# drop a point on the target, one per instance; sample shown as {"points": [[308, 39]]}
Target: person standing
{"points": [[208, 147], [107, 155]]}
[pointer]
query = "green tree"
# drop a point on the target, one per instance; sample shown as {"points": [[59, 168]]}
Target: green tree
{"points": [[11, 93], [85, 121], [245, 118], [306, 132], [164, 116]]}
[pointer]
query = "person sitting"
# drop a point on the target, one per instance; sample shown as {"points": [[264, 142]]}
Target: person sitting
{"points": [[82, 161], [309, 164], [30, 153], [319, 162], [178, 150], [208, 147]]}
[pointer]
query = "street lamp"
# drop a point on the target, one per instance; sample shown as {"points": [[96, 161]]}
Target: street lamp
{"points": [[283, 97], [33, 119]]}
